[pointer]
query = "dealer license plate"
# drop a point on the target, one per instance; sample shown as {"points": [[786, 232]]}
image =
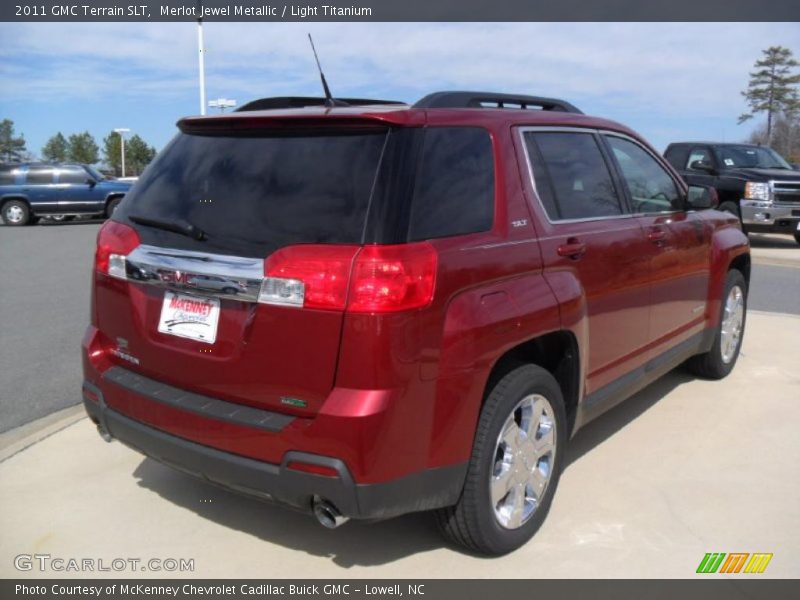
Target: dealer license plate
{"points": [[192, 317]]}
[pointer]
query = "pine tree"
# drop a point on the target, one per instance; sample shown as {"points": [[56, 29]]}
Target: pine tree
{"points": [[112, 152], [772, 87], [81, 148], [11, 148], [55, 149], [138, 154]]}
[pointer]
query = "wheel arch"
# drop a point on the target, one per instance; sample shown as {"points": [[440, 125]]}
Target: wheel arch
{"points": [[556, 352]]}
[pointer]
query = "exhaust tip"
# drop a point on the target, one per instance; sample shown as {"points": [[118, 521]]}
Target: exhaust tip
{"points": [[104, 433], [327, 514]]}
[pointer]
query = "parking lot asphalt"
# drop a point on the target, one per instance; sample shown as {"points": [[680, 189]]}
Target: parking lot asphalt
{"points": [[45, 275], [683, 468]]}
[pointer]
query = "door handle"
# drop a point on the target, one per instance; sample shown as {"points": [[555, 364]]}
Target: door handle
{"points": [[657, 235], [573, 249]]}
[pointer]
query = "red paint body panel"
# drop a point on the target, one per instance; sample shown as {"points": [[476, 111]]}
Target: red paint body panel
{"points": [[397, 393]]}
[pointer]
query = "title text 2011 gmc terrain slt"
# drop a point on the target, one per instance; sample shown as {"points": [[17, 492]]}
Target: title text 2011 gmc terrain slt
{"points": [[367, 310]]}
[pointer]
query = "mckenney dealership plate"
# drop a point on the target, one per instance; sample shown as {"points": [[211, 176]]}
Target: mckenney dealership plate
{"points": [[190, 317]]}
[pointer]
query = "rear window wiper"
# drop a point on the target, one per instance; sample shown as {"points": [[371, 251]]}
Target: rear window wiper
{"points": [[181, 226]]}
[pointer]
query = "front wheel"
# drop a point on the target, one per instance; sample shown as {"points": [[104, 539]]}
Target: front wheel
{"points": [[16, 212], [515, 465], [724, 352], [797, 237]]}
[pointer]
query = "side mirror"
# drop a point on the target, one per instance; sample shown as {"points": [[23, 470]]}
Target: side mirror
{"points": [[91, 181], [699, 165], [702, 197]]}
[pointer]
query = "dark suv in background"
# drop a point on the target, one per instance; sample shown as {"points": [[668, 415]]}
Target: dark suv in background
{"points": [[30, 191], [753, 182]]}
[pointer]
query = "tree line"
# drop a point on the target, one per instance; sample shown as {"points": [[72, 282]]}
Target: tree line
{"points": [[79, 148]]}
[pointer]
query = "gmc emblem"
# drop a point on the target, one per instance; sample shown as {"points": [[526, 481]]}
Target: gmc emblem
{"points": [[176, 277]]}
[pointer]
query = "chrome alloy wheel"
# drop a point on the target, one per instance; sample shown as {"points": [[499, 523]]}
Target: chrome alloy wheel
{"points": [[14, 214], [732, 323], [524, 456]]}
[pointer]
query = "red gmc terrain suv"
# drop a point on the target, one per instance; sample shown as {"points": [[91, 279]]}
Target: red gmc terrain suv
{"points": [[365, 309]]}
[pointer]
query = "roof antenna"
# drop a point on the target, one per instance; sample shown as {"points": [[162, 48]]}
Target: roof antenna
{"points": [[330, 101]]}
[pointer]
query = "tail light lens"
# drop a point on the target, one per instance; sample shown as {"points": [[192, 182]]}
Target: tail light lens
{"points": [[114, 242], [311, 276], [372, 279], [392, 278]]}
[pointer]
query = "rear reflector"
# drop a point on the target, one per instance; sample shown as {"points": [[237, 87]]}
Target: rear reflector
{"points": [[114, 242], [312, 468], [369, 279]]}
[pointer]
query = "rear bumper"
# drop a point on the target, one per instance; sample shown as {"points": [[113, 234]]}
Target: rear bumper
{"points": [[768, 217], [424, 490]]}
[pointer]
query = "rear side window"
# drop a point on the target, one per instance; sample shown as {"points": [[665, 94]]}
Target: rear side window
{"points": [[454, 188], [571, 176], [253, 195], [8, 176], [677, 155], [39, 176]]}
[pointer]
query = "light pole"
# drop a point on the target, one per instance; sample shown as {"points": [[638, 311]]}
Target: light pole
{"points": [[222, 104], [202, 62], [122, 131]]}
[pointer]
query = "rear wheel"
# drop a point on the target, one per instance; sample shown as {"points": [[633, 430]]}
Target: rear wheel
{"points": [[797, 237], [515, 465], [721, 358], [16, 212]]}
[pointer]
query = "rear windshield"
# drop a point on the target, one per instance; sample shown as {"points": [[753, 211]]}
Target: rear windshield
{"points": [[253, 195]]}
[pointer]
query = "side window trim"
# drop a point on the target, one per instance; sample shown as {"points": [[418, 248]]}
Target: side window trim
{"points": [[678, 185], [620, 189]]}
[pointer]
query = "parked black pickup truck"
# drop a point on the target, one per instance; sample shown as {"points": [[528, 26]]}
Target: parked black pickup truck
{"points": [[753, 182]]}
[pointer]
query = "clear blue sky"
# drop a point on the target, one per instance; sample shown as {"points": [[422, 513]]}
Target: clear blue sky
{"points": [[666, 80]]}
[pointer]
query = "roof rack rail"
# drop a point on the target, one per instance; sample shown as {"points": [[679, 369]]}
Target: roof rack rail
{"points": [[279, 102], [494, 100]]}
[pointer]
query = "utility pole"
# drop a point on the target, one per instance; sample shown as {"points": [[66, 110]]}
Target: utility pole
{"points": [[201, 58], [122, 131]]}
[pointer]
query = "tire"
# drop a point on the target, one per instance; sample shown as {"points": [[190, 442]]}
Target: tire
{"points": [[112, 206], [16, 213], [797, 237], [475, 521], [719, 361]]}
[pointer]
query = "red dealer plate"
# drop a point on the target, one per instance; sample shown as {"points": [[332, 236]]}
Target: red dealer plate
{"points": [[192, 317]]}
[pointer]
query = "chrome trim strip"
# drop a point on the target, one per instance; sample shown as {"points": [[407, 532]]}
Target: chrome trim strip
{"points": [[217, 275]]}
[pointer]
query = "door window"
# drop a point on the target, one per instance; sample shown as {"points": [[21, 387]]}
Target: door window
{"points": [[651, 188], [572, 177], [73, 175]]}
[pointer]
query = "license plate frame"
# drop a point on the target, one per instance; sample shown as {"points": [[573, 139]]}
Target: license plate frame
{"points": [[190, 317]]}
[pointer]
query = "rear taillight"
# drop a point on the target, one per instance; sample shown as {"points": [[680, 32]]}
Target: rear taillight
{"points": [[372, 279], [114, 242], [311, 276], [392, 278]]}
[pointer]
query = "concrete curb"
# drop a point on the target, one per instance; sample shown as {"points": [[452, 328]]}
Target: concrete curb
{"points": [[20, 438]]}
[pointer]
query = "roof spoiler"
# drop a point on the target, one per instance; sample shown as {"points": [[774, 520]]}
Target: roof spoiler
{"points": [[283, 102]]}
